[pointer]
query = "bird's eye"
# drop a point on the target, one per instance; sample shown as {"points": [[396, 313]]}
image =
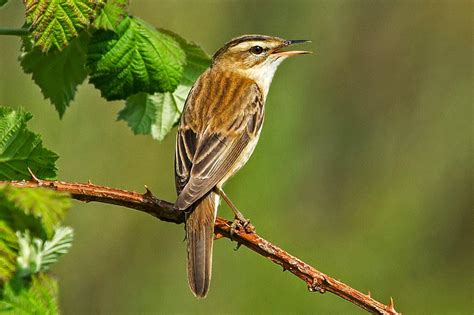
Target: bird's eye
{"points": [[256, 50]]}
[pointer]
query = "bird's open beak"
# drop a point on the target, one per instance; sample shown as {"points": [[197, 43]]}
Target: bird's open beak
{"points": [[289, 53]]}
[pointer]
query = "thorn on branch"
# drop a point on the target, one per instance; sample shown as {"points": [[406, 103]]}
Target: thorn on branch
{"points": [[148, 193], [369, 294], [89, 182], [316, 287], [33, 176], [391, 306], [237, 246]]}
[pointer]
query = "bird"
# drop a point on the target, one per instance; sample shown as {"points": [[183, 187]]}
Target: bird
{"points": [[218, 130]]}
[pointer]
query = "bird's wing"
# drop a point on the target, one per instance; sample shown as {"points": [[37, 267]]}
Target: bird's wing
{"points": [[204, 159]]}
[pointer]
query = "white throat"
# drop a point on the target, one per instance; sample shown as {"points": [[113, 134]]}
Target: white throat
{"points": [[263, 74]]}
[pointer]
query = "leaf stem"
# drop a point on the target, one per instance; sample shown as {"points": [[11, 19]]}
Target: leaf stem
{"points": [[14, 31]]}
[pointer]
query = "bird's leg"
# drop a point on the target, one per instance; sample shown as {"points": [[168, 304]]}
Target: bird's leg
{"points": [[237, 213], [239, 220]]}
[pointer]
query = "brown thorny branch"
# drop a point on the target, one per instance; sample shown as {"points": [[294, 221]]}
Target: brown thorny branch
{"points": [[163, 210]]}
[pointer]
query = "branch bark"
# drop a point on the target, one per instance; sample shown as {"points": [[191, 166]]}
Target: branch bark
{"points": [[163, 210]]}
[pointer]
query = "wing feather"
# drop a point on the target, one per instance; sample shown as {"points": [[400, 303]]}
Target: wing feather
{"points": [[205, 156]]}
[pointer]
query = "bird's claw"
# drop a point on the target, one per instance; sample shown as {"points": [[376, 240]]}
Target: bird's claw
{"points": [[241, 224], [249, 228]]}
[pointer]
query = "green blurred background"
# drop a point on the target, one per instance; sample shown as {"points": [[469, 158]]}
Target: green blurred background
{"points": [[364, 167]]}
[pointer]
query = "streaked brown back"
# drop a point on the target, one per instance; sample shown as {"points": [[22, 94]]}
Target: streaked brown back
{"points": [[222, 115]]}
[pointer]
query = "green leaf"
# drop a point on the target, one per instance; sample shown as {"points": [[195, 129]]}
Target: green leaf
{"points": [[139, 112], [8, 250], [36, 255], [137, 58], [197, 60], [3, 2], [54, 23], [31, 211], [21, 148], [46, 205], [111, 15], [17, 220], [156, 114], [57, 73], [39, 297]]}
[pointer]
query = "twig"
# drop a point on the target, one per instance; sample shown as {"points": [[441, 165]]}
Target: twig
{"points": [[163, 210], [14, 31]]}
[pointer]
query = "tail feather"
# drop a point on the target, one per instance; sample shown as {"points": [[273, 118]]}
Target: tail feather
{"points": [[200, 237]]}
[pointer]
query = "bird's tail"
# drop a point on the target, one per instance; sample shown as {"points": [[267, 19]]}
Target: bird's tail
{"points": [[200, 236]]}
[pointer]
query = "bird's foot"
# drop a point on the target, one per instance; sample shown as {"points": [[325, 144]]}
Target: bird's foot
{"points": [[241, 224]]}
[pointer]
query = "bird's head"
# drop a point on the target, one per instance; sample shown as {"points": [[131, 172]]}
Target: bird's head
{"points": [[255, 56]]}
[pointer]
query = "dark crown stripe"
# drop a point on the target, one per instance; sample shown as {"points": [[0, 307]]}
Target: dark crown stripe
{"points": [[235, 41], [247, 38]]}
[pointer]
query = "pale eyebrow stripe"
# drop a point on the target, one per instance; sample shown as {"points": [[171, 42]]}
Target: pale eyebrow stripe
{"points": [[250, 44]]}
